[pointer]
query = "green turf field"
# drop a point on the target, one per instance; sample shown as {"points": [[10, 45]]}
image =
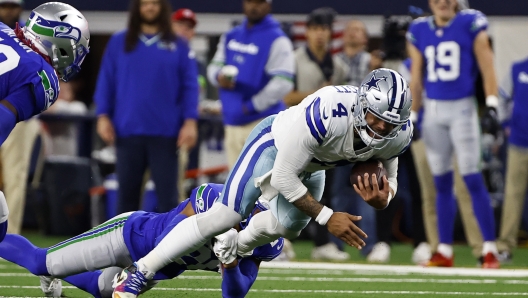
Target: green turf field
{"points": [[311, 279]]}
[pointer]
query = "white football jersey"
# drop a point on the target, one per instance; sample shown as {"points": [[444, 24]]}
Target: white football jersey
{"points": [[318, 134]]}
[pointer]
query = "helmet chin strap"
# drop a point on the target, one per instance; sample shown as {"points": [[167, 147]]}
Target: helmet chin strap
{"points": [[20, 35]]}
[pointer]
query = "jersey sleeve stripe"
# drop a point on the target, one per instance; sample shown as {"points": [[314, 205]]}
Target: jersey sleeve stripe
{"points": [[309, 121], [317, 117]]}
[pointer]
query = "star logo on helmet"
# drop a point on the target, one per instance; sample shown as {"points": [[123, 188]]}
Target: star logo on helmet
{"points": [[373, 83]]}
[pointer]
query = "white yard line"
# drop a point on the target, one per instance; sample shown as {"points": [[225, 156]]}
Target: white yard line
{"points": [[320, 291], [341, 268], [339, 279], [391, 269]]}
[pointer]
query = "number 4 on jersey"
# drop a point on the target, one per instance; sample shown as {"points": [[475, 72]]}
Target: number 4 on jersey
{"points": [[341, 111]]}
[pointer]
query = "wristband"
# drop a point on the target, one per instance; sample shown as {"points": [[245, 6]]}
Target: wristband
{"points": [[492, 101], [324, 215]]}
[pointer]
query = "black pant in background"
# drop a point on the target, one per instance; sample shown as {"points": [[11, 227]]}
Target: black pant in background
{"points": [[134, 155]]}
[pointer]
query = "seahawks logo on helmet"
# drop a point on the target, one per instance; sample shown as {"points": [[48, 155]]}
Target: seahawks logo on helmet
{"points": [[56, 29], [67, 31], [200, 204]]}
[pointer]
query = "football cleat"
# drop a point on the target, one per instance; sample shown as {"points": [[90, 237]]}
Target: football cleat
{"points": [[129, 283], [439, 260], [505, 257], [51, 287], [490, 261], [329, 251], [421, 254], [380, 253]]}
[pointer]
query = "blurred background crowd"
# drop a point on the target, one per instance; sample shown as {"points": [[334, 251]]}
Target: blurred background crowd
{"points": [[140, 128]]}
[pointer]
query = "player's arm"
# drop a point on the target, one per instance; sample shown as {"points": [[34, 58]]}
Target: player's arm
{"points": [[484, 56], [416, 84], [295, 152], [280, 67], [238, 277]]}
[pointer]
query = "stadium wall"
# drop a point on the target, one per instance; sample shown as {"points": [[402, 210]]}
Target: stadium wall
{"points": [[371, 7], [509, 33]]}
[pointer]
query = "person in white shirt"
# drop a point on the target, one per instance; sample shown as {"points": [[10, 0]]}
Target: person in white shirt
{"points": [[283, 161]]}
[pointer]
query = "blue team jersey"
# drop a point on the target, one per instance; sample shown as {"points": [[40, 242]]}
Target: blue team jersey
{"points": [[450, 68], [142, 230], [27, 81]]}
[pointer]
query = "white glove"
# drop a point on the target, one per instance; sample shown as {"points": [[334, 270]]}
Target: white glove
{"points": [[225, 247]]}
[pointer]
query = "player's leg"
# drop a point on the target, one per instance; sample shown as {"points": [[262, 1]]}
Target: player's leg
{"points": [[100, 247], [284, 220], [465, 135], [19, 250], [237, 199], [469, 221], [439, 151], [514, 196], [7, 123]]}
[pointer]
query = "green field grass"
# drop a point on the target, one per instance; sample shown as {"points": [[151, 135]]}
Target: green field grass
{"points": [[322, 279]]}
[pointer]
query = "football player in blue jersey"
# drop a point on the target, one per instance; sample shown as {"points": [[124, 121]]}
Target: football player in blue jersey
{"points": [[127, 237], [447, 51], [51, 46]]}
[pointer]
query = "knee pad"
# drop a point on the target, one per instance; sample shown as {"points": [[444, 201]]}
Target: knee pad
{"points": [[217, 220]]}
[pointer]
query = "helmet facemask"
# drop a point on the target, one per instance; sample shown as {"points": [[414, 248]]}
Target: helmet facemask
{"points": [[385, 95], [368, 135]]}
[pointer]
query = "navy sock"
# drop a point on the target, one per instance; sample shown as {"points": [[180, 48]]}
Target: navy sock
{"points": [[87, 281], [20, 251], [481, 205], [445, 207]]}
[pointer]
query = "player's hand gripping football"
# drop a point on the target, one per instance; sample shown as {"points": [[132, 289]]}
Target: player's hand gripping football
{"points": [[342, 226], [371, 193]]}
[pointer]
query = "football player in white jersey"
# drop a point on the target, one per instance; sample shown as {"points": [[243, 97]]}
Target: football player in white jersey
{"points": [[283, 161]]}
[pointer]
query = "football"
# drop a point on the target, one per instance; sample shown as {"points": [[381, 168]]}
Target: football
{"points": [[371, 167]]}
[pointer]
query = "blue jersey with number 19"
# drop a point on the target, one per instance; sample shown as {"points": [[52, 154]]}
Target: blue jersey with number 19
{"points": [[450, 65], [27, 81]]}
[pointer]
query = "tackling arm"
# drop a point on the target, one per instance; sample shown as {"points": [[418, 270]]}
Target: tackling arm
{"points": [[238, 277]]}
